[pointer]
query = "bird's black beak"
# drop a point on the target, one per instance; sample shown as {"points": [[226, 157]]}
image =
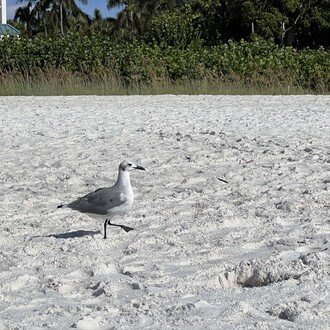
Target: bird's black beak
{"points": [[138, 167]]}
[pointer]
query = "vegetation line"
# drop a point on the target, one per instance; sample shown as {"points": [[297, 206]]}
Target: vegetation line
{"points": [[190, 47]]}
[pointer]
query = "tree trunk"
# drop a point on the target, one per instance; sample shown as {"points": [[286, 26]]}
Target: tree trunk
{"points": [[61, 18], [28, 29], [45, 27]]}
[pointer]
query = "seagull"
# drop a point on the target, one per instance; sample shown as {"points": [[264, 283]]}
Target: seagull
{"points": [[106, 203]]}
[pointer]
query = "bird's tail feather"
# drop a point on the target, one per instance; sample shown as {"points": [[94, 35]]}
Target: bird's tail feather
{"points": [[61, 205]]}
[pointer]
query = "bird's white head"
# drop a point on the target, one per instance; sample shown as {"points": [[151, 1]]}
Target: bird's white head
{"points": [[129, 166]]}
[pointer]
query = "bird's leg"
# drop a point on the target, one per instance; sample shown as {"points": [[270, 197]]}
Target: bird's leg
{"points": [[105, 229], [126, 228]]}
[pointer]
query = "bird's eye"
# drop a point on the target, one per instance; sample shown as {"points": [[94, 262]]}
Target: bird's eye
{"points": [[129, 164]]}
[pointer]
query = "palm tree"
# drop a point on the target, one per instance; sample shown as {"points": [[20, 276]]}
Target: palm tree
{"points": [[25, 15], [129, 21], [69, 7], [59, 12], [134, 18], [40, 13], [100, 24], [56, 12]]}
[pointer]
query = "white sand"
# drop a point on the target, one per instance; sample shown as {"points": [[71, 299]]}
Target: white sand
{"points": [[205, 254]]}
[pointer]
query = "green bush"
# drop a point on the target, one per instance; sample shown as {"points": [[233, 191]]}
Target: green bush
{"points": [[139, 62]]}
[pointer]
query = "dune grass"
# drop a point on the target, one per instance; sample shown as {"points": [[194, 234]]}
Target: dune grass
{"points": [[65, 83]]}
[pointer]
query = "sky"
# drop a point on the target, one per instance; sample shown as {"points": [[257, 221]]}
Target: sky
{"points": [[89, 9]]}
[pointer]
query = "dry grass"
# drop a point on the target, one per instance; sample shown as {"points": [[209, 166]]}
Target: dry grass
{"points": [[65, 83]]}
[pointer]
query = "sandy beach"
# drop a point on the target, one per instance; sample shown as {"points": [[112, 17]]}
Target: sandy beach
{"points": [[205, 254]]}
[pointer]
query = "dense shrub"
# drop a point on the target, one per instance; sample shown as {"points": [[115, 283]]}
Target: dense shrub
{"points": [[139, 62]]}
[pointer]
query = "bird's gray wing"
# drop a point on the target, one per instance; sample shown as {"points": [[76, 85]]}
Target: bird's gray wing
{"points": [[99, 201]]}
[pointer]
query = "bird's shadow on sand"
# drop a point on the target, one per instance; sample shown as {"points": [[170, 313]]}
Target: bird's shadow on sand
{"points": [[74, 234]]}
